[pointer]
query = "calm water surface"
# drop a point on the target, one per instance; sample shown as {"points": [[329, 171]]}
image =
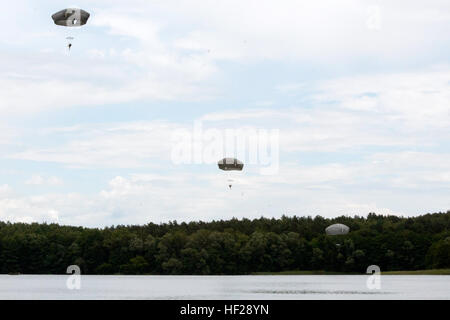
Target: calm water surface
{"points": [[224, 287]]}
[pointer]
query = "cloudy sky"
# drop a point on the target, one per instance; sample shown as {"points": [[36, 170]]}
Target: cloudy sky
{"points": [[356, 96]]}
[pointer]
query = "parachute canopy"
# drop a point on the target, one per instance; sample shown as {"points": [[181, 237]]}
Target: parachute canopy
{"points": [[228, 164], [337, 229], [71, 17]]}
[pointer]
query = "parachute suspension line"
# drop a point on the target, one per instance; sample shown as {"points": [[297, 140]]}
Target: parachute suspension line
{"points": [[229, 179], [69, 42]]}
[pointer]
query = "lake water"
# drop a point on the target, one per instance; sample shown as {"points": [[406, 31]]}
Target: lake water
{"points": [[223, 287]]}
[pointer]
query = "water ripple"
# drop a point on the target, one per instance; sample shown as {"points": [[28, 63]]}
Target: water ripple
{"points": [[316, 292]]}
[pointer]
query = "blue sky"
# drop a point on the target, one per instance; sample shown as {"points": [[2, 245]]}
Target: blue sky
{"points": [[359, 93]]}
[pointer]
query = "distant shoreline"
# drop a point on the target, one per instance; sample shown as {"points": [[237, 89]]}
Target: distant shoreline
{"points": [[319, 272], [282, 273]]}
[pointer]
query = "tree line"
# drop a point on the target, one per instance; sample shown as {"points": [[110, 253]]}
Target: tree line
{"points": [[236, 246]]}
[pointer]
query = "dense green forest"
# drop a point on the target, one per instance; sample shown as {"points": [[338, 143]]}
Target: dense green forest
{"points": [[229, 247]]}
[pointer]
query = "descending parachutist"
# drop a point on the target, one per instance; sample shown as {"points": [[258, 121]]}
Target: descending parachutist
{"points": [[230, 164], [70, 17]]}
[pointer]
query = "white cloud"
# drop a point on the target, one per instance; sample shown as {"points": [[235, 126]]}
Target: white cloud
{"points": [[179, 46], [63, 92], [416, 99], [38, 180], [321, 31], [5, 190], [127, 145], [365, 113], [9, 136], [31, 209]]}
